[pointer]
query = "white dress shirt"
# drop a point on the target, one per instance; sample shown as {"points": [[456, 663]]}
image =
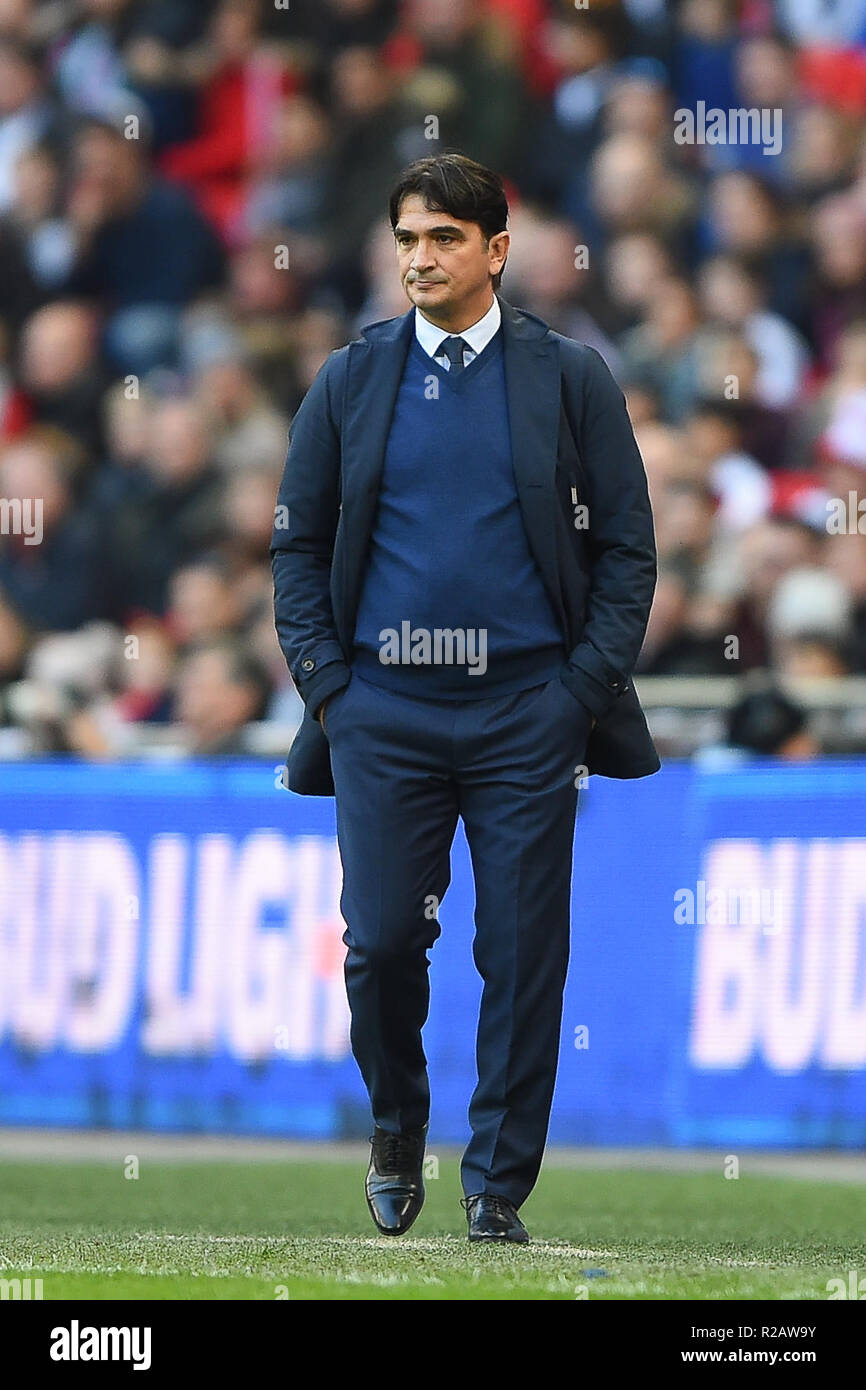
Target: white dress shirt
{"points": [[475, 337]]}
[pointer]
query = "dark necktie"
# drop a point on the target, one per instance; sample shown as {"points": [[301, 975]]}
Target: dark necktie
{"points": [[453, 349]]}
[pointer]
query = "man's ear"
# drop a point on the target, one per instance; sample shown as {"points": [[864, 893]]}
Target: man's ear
{"points": [[501, 242]]}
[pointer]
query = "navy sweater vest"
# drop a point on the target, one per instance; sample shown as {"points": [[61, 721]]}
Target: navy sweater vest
{"points": [[453, 605]]}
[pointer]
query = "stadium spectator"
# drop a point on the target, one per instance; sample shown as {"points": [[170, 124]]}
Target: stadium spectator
{"points": [[88, 63], [551, 277], [221, 687], [248, 513], [767, 723], [747, 217], [121, 212], [26, 114], [145, 674], [49, 567], [839, 237], [294, 182], [766, 553], [733, 294], [633, 264], [62, 373], [663, 348], [169, 509], [202, 602], [488, 110], [632, 189], [239, 95], [809, 623], [248, 432]]}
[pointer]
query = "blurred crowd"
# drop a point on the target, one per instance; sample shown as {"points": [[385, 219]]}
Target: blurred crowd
{"points": [[193, 215]]}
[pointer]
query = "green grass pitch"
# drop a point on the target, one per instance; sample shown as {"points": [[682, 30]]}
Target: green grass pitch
{"points": [[300, 1230]]}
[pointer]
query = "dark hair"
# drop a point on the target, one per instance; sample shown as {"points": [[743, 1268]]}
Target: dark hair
{"points": [[20, 51], [243, 667], [730, 413], [764, 720], [455, 184], [210, 560]]}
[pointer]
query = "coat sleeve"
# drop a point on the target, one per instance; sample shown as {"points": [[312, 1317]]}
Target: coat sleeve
{"points": [[620, 537], [302, 544]]}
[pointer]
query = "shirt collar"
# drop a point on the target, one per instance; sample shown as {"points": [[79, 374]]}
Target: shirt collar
{"points": [[477, 336]]}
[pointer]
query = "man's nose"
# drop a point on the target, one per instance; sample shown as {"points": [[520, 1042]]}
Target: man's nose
{"points": [[423, 257]]}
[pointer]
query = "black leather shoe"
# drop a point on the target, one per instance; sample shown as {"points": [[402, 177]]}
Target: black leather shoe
{"points": [[395, 1179], [492, 1217]]}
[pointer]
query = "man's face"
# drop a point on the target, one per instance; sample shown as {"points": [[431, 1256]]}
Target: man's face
{"points": [[444, 262], [110, 166]]}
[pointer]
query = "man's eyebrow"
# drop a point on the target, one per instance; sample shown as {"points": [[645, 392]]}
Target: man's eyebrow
{"points": [[433, 231]]}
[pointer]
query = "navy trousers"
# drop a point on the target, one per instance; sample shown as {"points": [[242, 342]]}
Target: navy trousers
{"points": [[404, 769]]}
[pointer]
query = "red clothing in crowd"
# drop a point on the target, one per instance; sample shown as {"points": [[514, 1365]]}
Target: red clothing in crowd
{"points": [[237, 109], [836, 76], [15, 412]]}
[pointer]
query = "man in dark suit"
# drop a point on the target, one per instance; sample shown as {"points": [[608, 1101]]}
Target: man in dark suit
{"points": [[464, 562]]}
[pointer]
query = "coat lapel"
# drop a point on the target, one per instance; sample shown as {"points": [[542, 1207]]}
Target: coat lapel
{"points": [[532, 381], [374, 373]]}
